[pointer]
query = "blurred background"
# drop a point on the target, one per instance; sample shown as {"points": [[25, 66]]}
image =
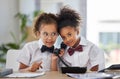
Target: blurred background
{"points": [[100, 23]]}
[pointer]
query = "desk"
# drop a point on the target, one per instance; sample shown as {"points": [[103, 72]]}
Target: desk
{"points": [[58, 75], [48, 75], [114, 72]]}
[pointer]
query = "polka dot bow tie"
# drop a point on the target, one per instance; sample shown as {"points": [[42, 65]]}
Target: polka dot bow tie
{"points": [[72, 50]]}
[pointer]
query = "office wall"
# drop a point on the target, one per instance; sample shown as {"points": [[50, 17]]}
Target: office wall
{"points": [[8, 8], [8, 23]]}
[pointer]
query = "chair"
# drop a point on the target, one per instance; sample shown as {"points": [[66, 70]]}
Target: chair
{"points": [[11, 59]]}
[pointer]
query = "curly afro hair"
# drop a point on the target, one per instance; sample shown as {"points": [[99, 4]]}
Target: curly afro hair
{"points": [[68, 17]]}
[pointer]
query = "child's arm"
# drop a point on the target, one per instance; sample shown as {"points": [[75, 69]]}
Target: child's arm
{"points": [[54, 62], [22, 66], [35, 66], [96, 59], [54, 59]]}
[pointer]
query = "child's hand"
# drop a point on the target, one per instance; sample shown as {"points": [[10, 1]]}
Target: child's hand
{"points": [[61, 52], [54, 60], [54, 57], [35, 66]]}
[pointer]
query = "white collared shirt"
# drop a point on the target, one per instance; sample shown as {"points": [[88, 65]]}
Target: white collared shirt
{"points": [[89, 57], [31, 53]]}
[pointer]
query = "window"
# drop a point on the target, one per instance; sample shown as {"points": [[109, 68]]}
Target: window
{"points": [[103, 23], [110, 42]]}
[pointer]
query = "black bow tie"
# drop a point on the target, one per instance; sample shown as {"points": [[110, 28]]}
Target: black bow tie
{"points": [[49, 49]]}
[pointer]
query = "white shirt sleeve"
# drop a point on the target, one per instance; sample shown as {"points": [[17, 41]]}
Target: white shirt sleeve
{"points": [[25, 55], [97, 57]]}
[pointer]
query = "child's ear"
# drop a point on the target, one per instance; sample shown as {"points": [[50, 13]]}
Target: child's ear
{"points": [[38, 34], [78, 31]]}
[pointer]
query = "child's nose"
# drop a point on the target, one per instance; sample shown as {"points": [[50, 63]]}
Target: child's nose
{"points": [[49, 37], [67, 39]]}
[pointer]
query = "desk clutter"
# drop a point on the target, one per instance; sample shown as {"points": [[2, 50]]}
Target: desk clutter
{"points": [[112, 72]]}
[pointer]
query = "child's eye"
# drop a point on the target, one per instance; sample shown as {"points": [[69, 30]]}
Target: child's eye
{"points": [[69, 34], [45, 34], [53, 34]]}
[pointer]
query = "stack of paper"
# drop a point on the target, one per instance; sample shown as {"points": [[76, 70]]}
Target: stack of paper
{"points": [[26, 74], [91, 75]]}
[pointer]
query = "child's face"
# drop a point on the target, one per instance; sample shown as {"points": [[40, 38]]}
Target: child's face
{"points": [[69, 35], [48, 34]]}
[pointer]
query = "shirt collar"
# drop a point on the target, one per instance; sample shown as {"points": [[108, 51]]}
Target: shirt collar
{"points": [[83, 41], [40, 43]]}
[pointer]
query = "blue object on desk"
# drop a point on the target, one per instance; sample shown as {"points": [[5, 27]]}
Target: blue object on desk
{"points": [[5, 72]]}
